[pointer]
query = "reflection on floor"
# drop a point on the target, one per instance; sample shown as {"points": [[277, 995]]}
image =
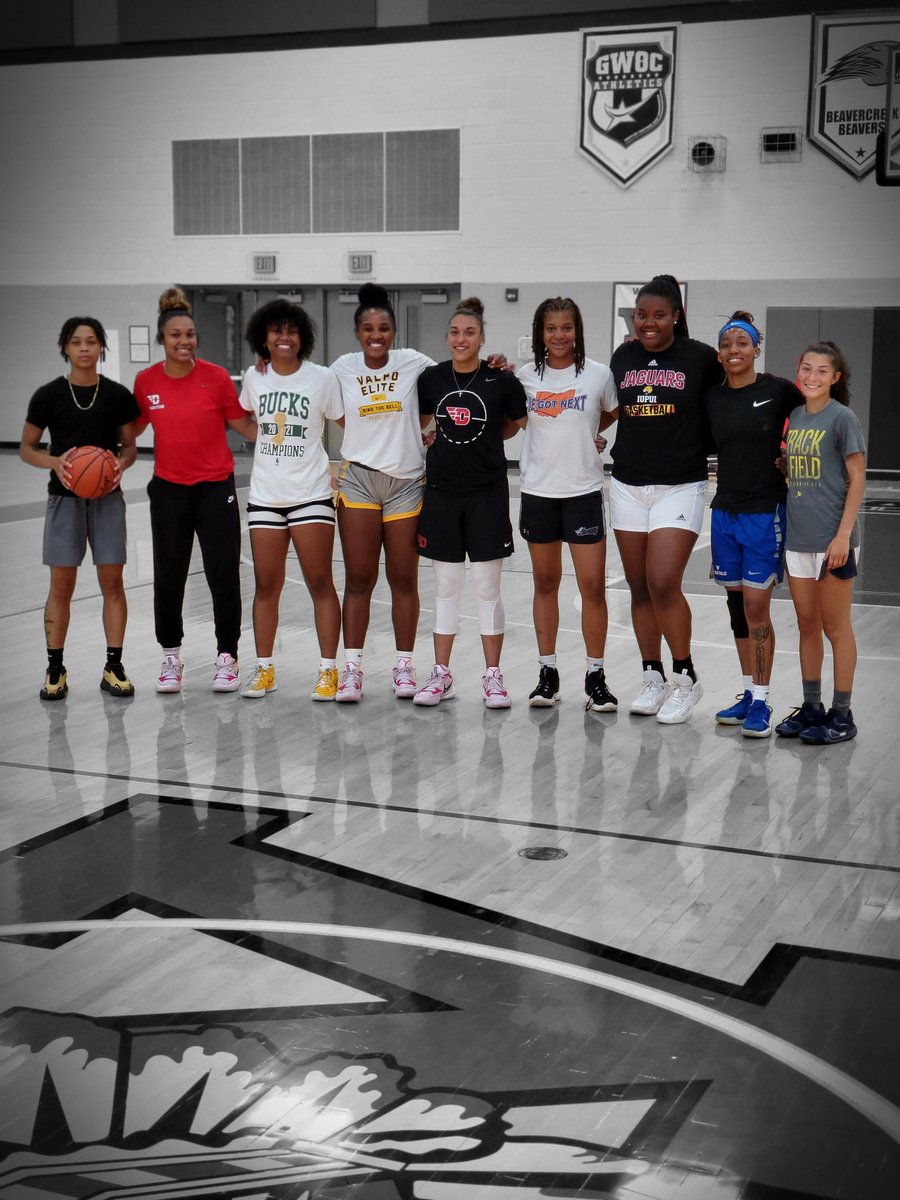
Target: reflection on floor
{"points": [[289, 950]]}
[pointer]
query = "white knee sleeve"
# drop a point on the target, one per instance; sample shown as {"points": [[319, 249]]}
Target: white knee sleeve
{"points": [[449, 578], [486, 584]]}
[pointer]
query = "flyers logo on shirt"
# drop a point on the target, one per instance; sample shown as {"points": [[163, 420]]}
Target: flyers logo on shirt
{"points": [[459, 416], [628, 80]]}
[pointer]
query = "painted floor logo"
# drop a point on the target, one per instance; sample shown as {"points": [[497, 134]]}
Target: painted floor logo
{"points": [[849, 87], [221, 1111]]}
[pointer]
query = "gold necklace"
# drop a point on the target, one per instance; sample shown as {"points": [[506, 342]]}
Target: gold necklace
{"points": [[84, 407], [469, 382]]}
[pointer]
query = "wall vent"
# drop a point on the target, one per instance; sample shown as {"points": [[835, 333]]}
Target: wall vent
{"points": [[706, 154], [781, 143]]}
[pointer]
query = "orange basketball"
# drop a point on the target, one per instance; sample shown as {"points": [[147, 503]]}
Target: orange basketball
{"points": [[92, 471]]}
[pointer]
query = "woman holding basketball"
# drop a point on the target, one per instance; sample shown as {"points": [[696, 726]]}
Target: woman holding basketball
{"points": [[290, 485], [190, 403], [658, 490], [466, 507], [571, 399], [82, 408]]}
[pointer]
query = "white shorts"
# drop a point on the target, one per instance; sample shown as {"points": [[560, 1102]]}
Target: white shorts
{"points": [[642, 508], [803, 564]]}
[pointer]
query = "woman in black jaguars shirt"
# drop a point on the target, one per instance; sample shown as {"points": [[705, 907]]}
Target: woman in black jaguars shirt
{"points": [[658, 490]]}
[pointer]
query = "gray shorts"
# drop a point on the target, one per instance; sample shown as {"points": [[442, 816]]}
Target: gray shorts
{"points": [[72, 524], [362, 487]]}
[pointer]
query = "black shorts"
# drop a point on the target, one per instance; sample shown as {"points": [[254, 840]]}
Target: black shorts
{"points": [[455, 524], [574, 519]]}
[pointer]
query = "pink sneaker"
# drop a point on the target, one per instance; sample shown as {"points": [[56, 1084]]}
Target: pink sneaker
{"points": [[438, 687], [495, 694], [404, 680], [227, 676], [350, 687], [170, 674]]}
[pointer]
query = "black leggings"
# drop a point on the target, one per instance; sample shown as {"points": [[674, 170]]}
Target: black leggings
{"points": [[209, 510]]}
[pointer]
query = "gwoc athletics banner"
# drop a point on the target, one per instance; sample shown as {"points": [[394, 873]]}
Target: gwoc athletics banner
{"points": [[628, 82], [852, 59]]}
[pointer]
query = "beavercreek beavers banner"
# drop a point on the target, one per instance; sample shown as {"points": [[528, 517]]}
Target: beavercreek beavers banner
{"points": [[848, 95]]}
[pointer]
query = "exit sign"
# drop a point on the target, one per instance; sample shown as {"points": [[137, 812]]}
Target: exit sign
{"points": [[360, 264]]}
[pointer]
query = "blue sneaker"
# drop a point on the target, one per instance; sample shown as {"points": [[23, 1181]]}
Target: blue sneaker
{"points": [[756, 723], [737, 714], [807, 715], [835, 728]]}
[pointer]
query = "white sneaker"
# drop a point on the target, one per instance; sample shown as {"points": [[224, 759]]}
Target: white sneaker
{"points": [[495, 694], [438, 687], [170, 674], [654, 695], [684, 695], [227, 676], [350, 687], [404, 680]]}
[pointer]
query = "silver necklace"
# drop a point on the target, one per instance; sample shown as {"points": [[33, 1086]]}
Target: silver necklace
{"points": [[84, 407], [459, 389]]}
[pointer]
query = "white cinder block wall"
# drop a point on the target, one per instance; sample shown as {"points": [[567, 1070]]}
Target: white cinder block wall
{"points": [[87, 206]]}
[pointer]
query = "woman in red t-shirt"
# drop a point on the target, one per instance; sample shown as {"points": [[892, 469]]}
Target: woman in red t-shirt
{"points": [[189, 403]]}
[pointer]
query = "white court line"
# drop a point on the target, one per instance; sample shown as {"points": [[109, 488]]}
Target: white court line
{"points": [[864, 1100]]}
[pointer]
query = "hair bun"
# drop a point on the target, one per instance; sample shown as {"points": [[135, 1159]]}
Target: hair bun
{"points": [[373, 295], [473, 303], [740, 315], [173, 299]]}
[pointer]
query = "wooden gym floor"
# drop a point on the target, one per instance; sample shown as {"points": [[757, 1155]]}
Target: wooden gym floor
{"points": [[293, 950]]}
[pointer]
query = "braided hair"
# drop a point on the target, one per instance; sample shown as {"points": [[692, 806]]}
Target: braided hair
{"points": [[556, 304]]}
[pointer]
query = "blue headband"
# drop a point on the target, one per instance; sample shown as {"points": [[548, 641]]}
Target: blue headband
{"points": [[747, 328]]}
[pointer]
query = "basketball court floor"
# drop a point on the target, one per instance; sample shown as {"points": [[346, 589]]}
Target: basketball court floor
{"points": [[279, 949]]}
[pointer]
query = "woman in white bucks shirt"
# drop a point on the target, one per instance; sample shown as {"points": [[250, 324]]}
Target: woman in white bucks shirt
{"points": [[571, 399], [290, 485]]}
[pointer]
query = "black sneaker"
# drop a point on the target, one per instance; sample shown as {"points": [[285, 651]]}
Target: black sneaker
{"points": [[115, 681], [804, 717], [546, 694], [834, 728], [599, 697], [56, 685]]}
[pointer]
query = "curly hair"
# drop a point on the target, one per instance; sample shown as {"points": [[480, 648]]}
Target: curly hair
{"points": [[280, 314], [172, 303], [559, 304], [840, 389], [72, 324]]}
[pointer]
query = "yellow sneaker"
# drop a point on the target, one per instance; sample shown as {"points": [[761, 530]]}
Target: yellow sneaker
{"points": [[115, 681], [56, 684], [263, 681], [326, 685]]}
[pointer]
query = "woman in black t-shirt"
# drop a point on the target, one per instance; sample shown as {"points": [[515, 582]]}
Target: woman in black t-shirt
{"points": [[465, 511], [82, 408], [747, 415], [657, 494]]}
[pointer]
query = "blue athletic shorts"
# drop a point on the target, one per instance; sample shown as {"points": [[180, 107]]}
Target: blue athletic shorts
{"points": [[748, 548]]}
